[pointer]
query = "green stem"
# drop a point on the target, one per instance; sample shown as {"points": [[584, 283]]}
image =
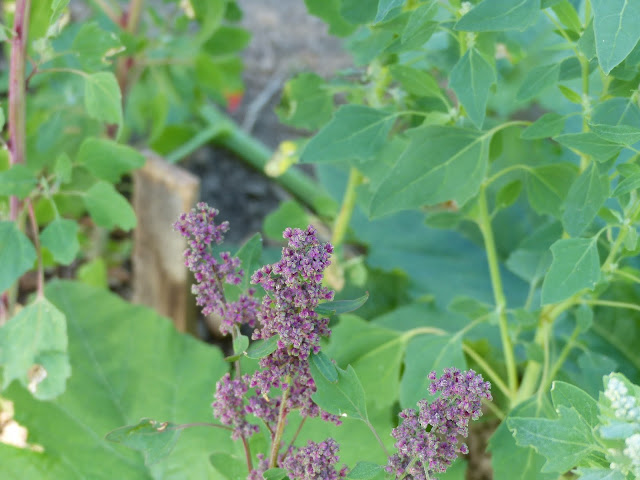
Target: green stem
{"points": [[36, 239], [484, 222], [277, 439], [375, 434], [606, 266], [133, 15], [491, 373], [544, 385], [346, 210], [614, 304]]}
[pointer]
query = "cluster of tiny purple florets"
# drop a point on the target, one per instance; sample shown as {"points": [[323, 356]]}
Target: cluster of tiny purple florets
{"points": [[201, 232], [428, 439], [229, 406], [316, 461]]}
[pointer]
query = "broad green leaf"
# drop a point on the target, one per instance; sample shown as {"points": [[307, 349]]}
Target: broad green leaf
{"points": [[18, 181], [497, 15], [359, 11], [587, 42], [537, 81], [575, 267], [94, 46], [108, 208], [240, 344], [102, 97], [365, 471], [288, 214], [107, 159], [155, 439], [329, 11], [572, 397], [548, 185], [249, 255], [231, 467], [338, 307], [512, 461], [508, 194], [16, 254], [424, 354], [453, 169], [599, 474], [325, 366], [420, 26], [567, 15], [344, 397], [614, 25], [585, 198], [275, 474], [33, 350], [471, 79], [262, 348], [227, 40], [305, 103], [94, 273], [61, 239], [590, 144], [416, 82], [548, 125], [156, 379], [355, 132], [63, 168], [620, 134], [385, 7]]}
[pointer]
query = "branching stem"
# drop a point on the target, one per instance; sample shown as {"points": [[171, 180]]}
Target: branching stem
{"points": [[277, 439]]}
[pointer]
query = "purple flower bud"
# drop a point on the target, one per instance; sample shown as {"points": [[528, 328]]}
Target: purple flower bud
{"points": [[228, 406], [316, 461]]}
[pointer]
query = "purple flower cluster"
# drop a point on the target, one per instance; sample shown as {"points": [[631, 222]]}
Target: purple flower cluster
{"points": [[201, 232], [229, 408], [428, 439], [316, 461], [294, 289]]}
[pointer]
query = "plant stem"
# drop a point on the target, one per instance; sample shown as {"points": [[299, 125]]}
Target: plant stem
{"points": [[110, 12], [17, 97], [295, 435], [375, 434], [277, 439], [36, 240], [611, 303], [201, 424], [484, 222], [247, 453], [491, 373], [559, 361], [624, 230], [346, 210], [133, 15]]}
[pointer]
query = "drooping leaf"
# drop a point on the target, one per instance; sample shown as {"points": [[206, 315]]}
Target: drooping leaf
{"points": [[548, 125], [107, 159], [614, 28], [102, 97], [33, 350], [590, 144], [575, 266], [106, 392], [496, 15], [108, 208], [61, 239], [344, 397], [18, 181], [453, 170], [338, 307], [538, 80], [355, 132], [154, 439], [585, 198], [471, 79], [16, 254]]}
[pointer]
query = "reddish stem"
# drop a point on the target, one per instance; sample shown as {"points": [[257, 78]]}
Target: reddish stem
{"points": [[17, 99]]}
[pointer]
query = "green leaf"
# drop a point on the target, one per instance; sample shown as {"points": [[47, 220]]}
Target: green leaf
{"points": [[587, 42], [338, 307], [305, 102], [344, 397], [471, 79], [16, 254], [548, 185], [453, 170], [570, 95], [537, 81], [416, 82], [599, 474], [63, 168], [575, 266], [567, 15], [2, 117], [249, 255], [512, 461], [93, 46], [108, 208], [154, 439], [156, 379], [386, 6], [365, 471], [426, 353], [563, 441], [94, 273], [261, 348], [329, 11], [590, 144], [102, 97], [325, 366], [497, 15], [107, 159], [275, 474], [585, 198], [548, 125], [18, 181], [240, 344], [359, 11], [33, 350], [420, 26], [508, 194], [355, 132], [288, 214], [614, 26], [620, 134], [229, 466], [627, 185], [61, 239]]}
